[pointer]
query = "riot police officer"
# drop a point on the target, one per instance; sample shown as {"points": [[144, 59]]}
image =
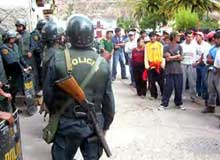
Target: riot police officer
{"points": [[73, 132], [23, 40], [14, 63], [5, 97], [36, 47], [54, 41]]}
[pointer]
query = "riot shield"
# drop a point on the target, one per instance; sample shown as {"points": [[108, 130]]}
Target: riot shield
{"points": [[10, 140], [29, 92]]}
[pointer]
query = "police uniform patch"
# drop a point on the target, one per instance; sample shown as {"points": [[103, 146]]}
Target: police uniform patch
{"points": [[5, 51], [36, 38]]}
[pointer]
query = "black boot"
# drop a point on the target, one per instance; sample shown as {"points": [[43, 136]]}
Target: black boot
{"points": [[209, 110]]}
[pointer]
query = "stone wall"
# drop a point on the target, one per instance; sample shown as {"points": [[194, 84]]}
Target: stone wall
{"points": [[11, 15]]}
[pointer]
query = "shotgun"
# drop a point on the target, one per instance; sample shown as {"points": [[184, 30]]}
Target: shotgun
{"points": [[72, 88]]}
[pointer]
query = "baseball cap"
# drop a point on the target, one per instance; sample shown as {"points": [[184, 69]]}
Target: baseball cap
{"points": [[200, 33], [158, 34], [131, 33], [210, 34]]}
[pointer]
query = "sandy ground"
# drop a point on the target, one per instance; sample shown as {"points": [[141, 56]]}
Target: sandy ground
{"points": [[141, 132]]}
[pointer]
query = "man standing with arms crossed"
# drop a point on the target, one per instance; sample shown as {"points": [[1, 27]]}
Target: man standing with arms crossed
{"points": [[118, 55]]}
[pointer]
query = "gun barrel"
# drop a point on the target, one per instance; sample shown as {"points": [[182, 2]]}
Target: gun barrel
{"points": [[100, 135]]}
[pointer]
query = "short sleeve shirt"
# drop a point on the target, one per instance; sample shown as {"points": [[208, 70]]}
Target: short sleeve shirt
{"points": [[107, 45], [117, 40], [212, 52], [173, 67]]}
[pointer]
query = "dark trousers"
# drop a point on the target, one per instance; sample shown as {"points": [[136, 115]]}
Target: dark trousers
{"points": [[68, 146], [201, 81], [153, 77], [73, 134], [38, 59], [131, 71], [173, 81], [141, 85]]}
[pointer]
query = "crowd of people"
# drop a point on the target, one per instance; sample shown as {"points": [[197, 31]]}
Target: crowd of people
{"points": [[165, 61], [168, 61]]}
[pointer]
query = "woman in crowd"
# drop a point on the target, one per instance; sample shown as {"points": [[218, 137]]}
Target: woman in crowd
{"points": [[138, 67]]}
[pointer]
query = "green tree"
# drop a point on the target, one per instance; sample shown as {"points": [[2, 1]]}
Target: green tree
{"points": [[143, 7], [152, 20], [208, 23], [185, 19], [193, 5], [125, 23], [149, 13]]}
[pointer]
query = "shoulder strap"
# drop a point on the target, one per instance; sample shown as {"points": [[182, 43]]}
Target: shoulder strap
{"points": [[92, 71], [90, 74], [85, 81], [69, 66]]}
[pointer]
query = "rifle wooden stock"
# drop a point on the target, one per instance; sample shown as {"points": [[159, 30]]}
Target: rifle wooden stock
{"points": [[71, 87]]}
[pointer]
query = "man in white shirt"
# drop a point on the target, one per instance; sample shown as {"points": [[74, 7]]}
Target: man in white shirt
{"points": [[202, 50], [189, 64], [129, 46]]}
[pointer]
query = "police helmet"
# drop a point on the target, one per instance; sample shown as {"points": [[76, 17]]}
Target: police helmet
{"points": [[9, 34], [80, 31], [40, 24], [51, 32], [21, 21]]}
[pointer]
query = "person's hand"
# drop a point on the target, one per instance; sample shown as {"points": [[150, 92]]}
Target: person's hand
{"points": [[29, 54], [29, 68], [7, 116], [194, 65], [1, 84], [178, 56], [8, 96], [117, 46]]}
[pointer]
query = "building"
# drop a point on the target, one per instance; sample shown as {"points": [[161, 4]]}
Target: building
{"points": [[11, 10]]}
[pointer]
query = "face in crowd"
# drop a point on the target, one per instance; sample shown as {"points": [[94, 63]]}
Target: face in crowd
{"points": [[108, 34], [199, 38], [131, 36], [143, 35], [158, 37], [217, 38], [140, 43], [153, 38], [20, 28], [118, 32], [12, 40], [177, 38], [189, 37]]}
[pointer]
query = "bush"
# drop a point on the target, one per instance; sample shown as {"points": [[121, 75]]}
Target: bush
{"points": [[125, 23], [185, 19], [209, 23]]}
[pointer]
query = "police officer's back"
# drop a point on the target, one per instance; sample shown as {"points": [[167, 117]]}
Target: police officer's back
{"points": [[73, 132]]}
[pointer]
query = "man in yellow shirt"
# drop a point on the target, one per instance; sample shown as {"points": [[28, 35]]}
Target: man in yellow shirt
{"points": [[153, 60]]}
